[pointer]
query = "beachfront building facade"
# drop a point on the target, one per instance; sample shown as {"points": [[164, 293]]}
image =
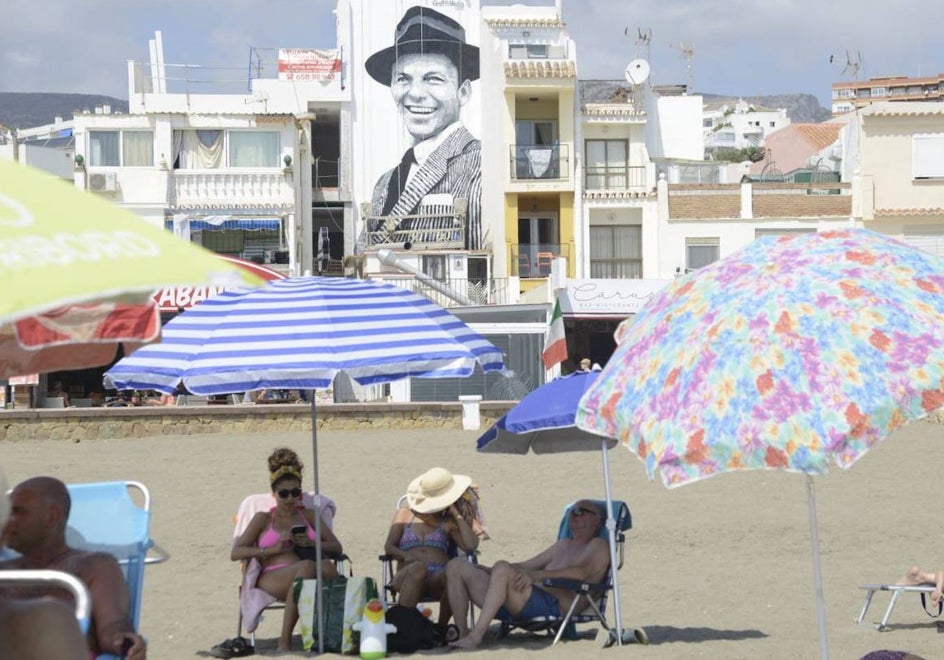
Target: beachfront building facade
{"points": [[742, 126], [854, 94], [896, 159]]}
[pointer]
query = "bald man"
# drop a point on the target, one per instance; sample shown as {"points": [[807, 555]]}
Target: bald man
{"points": [[36, 628], [37, 530]]}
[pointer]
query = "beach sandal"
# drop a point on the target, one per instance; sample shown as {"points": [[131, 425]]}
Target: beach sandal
{"points": [[237, 647]]}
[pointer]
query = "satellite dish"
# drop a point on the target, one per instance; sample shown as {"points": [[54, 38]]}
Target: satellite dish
{"points": [[637, 72]]}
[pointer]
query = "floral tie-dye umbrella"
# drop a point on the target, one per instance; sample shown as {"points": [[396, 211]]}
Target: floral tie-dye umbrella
{"points": [[792, 353]]}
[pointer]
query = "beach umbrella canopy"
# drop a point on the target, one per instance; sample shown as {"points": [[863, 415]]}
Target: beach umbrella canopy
{"points": [[794, 353], [543, 422], [78, 273], [300, 333]]}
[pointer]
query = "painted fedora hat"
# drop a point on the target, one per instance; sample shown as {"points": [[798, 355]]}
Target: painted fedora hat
{"points": [[423, 30]]}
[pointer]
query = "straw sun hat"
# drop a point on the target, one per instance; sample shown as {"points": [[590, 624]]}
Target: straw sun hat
{"points": [[435, 490]]}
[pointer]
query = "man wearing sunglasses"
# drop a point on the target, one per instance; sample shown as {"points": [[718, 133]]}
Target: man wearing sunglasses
{"points": [[515, 590]]}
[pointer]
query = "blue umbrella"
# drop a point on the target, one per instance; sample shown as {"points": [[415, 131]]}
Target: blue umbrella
{"points": [[300, 333], [543, 422]]}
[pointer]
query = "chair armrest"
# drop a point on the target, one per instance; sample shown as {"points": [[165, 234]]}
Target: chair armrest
{"points": [[162, 554], [575, 585]]}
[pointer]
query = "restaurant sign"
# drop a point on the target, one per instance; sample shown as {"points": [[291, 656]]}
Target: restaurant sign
{"points": [[304, 64], [176, 298], [607, 298]]}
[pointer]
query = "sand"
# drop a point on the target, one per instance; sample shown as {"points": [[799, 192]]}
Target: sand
{"points": [[718, 569]]}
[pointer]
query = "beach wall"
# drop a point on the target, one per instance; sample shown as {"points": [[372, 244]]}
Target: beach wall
{"points": [[77, 424]]}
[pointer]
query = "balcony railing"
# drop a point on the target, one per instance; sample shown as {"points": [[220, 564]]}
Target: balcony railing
{"points": [[326, 173], [533, 260], [615, 177], [477, 291], [416, 232], [531, 162], [256, 188]]}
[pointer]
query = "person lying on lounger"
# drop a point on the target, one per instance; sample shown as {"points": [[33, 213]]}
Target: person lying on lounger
{"points": [[916, 577], [510, 590]]}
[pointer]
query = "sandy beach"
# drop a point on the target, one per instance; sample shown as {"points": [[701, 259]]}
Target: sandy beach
{"points": [[719, 569]]}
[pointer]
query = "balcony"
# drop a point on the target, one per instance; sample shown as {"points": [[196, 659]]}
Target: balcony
{"points": [[533, 260], [417, 232], [477, 291], [232, 189], [615, 177], [544, 162]]}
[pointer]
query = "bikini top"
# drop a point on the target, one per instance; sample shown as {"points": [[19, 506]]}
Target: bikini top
{"points": [[438, 538], [271, 537]]}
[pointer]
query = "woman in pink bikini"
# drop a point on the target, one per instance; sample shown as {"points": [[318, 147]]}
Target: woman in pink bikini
{"points": [[421, 534], [269, 539]]}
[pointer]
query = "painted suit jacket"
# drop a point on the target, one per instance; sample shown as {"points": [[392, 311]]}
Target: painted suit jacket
{"points": [[453, 170]]}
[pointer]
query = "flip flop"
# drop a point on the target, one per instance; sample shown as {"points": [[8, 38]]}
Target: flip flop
{"points": [[237, 647]]}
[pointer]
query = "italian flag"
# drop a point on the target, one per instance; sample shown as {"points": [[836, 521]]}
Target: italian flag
{"points": [[555, 345]]}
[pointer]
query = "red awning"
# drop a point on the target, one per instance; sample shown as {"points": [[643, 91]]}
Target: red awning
{"points": [[174, 299]]}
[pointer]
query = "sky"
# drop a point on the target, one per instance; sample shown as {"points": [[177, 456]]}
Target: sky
{"points": [[737, 47]]}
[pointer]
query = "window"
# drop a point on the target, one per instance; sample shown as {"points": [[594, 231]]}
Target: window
{"points": [[606, 164], [254, 149], [701, 252], [435, 266], [616, 252], [879, 92], [928, 156], [121, 148], [528, 51], [205, 149]]}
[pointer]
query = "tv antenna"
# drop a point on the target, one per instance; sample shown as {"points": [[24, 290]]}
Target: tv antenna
{"points": [[688, 52], [643, 42], [853, 64]]}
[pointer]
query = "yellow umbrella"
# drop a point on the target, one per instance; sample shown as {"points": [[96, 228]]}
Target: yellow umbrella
{"points": [[78, 274]]}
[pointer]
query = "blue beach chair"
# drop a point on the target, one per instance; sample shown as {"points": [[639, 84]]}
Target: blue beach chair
{"points": [[105, 518], [595, 595]]}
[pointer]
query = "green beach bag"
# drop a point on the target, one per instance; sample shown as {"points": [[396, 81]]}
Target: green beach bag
{"points": [[343, 601]]}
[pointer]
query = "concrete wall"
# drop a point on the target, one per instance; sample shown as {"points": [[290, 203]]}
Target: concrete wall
{"points": [[78, 424]]}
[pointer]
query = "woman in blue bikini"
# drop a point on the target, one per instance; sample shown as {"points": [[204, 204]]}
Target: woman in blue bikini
{"points": [[269, 539], [421, 534]]}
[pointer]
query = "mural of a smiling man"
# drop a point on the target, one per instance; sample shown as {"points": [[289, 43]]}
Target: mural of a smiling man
{"points": [[429, 70]]}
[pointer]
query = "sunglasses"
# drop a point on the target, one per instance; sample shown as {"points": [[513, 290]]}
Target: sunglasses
{"points": [[578, 511], [285, 492]]}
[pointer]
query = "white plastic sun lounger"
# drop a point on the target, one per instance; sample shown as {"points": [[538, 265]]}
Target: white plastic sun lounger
{"points": [[897, 590]]}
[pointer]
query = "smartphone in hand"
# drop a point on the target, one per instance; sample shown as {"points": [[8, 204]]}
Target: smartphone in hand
{"points": [[299, 529]]}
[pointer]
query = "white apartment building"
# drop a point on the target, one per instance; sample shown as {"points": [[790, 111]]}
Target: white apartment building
{"points": [[741, 126]]}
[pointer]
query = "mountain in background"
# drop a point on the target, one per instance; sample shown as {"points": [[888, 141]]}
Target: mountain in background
{"points": [[801, 108], [27, 110]]}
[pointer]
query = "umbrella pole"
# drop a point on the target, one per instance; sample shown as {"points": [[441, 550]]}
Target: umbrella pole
{"points": [[319, 604], [611, 528], [817, 568]]}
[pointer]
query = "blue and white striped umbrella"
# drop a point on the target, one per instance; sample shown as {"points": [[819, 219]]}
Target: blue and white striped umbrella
{"points": [[299, 333]]}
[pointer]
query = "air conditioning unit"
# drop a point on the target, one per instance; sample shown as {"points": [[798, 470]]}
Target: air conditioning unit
{"points": [[103, 182]]}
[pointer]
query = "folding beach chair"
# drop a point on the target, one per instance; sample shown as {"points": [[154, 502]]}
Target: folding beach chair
{"points": [[924, 590], [387, 563], [105, 518], [83, 604], [252, 600], [595, 594]]}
